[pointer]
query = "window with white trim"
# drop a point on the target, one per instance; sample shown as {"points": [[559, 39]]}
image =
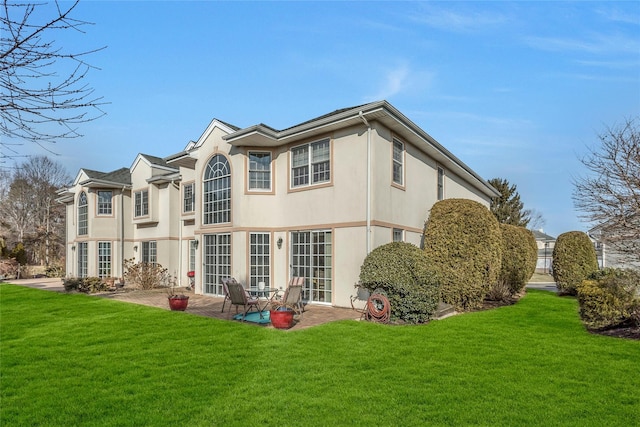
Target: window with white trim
{"points": [[398, 235], [141, 201], [259, 259], [440, 183], [193, 245], [398, 162], [217, 191], [104, 202], [259, 171], [83, 215], [104, 259], [311, 163], [82, 259], [149, 252], [188, 198]]}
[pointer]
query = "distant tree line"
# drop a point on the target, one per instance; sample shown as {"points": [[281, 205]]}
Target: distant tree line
{"points": [[32, 223]]}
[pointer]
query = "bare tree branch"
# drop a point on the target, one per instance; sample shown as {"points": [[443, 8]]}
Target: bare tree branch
{"points": [[609, 196], [34, 96]]}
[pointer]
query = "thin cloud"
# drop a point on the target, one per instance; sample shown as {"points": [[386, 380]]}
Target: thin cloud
{"points": [[395, 81], [454, 21], [598, 44]]}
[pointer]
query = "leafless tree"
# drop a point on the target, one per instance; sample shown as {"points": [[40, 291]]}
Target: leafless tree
{"points": [[29, 211], [39, 102], [536, 219], [609, 196]]}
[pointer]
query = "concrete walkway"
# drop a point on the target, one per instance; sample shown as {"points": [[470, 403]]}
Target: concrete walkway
{"points": [[545, 286]]}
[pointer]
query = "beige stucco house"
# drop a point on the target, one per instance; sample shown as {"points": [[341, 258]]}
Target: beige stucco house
{"points": [[262, 205]]}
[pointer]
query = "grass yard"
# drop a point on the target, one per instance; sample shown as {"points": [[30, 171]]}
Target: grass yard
{"points": [[70, 359]]}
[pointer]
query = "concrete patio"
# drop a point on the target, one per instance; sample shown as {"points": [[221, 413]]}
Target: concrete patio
{"points": [[198, 304]]}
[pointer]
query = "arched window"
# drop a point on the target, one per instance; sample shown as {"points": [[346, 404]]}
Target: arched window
{"points": [[83, 215], [217, 191]]}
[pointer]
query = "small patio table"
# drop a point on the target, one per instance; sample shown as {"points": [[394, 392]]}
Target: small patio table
{"points": [[263, 294]]}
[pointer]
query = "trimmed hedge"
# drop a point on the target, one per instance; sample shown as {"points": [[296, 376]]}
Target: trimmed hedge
{"points": [[610, 298], [404, 273], [462, 239], [574, 259], [519, 257]]}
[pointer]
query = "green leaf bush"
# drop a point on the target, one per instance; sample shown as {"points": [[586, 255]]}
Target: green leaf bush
{"points": [[463, 241], [407, 278], [610, 298], [519, 257], [574, 259]]}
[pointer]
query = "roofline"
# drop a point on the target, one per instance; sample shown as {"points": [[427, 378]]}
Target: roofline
{"points": [[114, 184], [384, 107]]}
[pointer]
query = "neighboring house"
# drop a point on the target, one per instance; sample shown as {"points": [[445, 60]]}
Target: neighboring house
{"points": [[262, 205], [609, 254], [545, 245]]}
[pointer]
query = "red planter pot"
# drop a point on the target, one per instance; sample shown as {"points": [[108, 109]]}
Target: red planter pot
{"points": [[281, 319], [178, 303]]}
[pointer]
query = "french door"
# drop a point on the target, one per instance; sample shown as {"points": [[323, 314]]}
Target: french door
{"points": [[311, 258], [216, 262]]}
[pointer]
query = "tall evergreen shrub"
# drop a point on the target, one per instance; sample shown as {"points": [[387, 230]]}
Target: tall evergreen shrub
{"points": [[519, 257], [574, 259], [463, 241], [404, 273]]}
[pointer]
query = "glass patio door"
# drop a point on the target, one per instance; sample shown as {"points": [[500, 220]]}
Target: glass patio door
{"points": [[216, 262], [311, 258]]}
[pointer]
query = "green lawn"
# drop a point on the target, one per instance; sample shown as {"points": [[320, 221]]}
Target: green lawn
{"points": [[86, 361]]}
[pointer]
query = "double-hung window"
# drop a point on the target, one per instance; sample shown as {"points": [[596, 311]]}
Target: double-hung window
{"points": [[189, 198], [398, 235], [104, 202], [311, 163], [83, 215], [149, 252], [141, 202], [398, 162], [259, 171]]}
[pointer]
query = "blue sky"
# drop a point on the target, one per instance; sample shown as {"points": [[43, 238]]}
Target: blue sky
{"points": [[517, 90]]}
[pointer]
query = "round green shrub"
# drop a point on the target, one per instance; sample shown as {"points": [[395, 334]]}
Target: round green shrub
{"points": [[404, 273], [519, 257], [463, 241], [610, 298], [574, 259]]}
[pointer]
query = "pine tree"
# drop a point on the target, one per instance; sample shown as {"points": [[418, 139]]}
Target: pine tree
{"points": [[507, 207]]}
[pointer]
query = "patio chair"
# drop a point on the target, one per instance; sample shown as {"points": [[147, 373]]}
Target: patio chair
{"points": [[225, 288], [239, 297], [293, 295]]}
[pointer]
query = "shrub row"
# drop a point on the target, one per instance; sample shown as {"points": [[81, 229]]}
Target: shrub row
{"points": [[403, 272], [610, 298], [468, 256]]}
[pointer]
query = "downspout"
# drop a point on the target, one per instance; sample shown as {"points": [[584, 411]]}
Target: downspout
{"points": [[180, 243], [368, 203], [122, 232]]}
